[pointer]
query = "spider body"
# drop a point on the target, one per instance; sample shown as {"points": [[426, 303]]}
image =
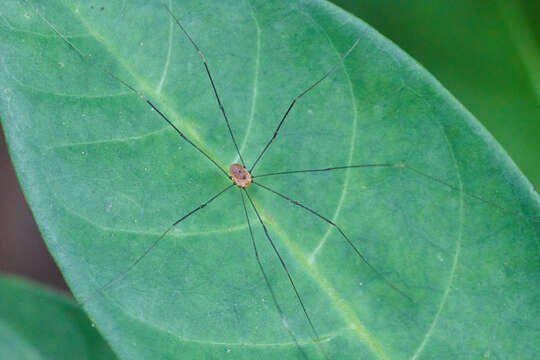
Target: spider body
{"points": [[240, 175]]}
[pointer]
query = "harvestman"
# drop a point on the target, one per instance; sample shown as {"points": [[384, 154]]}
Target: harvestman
{"points": [[242, 178]]}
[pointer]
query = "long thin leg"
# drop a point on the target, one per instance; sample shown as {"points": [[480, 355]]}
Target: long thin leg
{"points": [[209, 77], [156, 241], [281, 315], [362, 257], [131, 88], [334, 68], [418, 172], [284, 266]]}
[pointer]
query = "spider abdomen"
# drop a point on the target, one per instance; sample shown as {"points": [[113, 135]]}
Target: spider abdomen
{"points": [[240, 175]]}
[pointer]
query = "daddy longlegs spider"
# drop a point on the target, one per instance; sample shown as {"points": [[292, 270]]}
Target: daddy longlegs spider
{"points": [[243, 176]]}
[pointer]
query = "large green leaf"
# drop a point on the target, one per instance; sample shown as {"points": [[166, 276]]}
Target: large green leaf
{"points": [[36, 323], [105, 175]]}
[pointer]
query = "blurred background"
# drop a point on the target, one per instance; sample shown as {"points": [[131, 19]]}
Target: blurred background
{"points": [[486, 52]]}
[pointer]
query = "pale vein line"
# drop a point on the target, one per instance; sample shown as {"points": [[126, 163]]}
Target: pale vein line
{"points": [[42, 91], [179, 234], [329, 338], [169, 50], [255, 82], [126, 139], [337, 211], [174, 234], [13, 29], [457, 253]]}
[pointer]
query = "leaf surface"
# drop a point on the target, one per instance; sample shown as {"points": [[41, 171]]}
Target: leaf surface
{"points": [[105, 176]]}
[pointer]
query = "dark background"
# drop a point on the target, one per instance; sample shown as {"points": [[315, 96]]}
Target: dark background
{"points": [[22, 251], [486, 52]]}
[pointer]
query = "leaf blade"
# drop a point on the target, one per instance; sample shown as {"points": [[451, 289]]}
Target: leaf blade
{"points": [[122, 179]]}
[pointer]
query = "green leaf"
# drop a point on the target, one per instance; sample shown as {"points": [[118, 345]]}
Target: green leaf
{"points": [[37, 323], [486, 53], [105, 176]]}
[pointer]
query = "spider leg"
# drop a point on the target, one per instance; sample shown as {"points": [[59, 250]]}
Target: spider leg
{"points": [[416, 171], [334, 68], [154, 244], [278, 308], [87, 57], [209, 77], [351, 244], [286, 269]]}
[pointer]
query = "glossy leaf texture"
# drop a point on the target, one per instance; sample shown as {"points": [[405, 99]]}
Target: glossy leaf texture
{"points": [[37, 323], [105, 176]]}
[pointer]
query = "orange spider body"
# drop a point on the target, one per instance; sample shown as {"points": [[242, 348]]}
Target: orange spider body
{"points": [[240, 175]]}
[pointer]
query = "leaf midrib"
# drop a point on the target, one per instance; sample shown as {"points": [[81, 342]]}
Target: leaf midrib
{"points": [[347, 312]]}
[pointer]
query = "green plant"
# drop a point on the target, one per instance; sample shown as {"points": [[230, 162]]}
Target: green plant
{"points": [[105, 175], [37, 323]]}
